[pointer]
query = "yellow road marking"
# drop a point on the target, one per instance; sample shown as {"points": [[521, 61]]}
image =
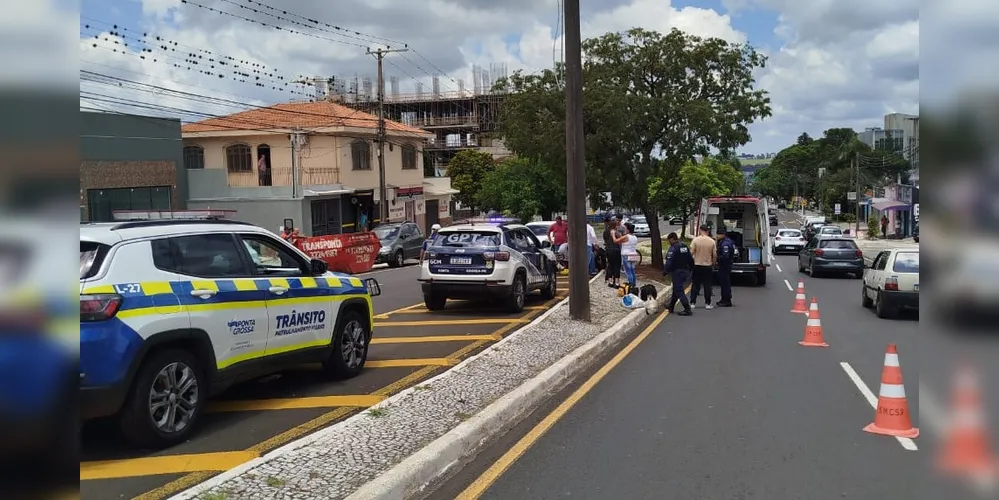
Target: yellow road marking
{"points": [[491, 475], [396, 311], [173, 464], [199, 476], [400, 363], [433, 338], [362, 401], [447, 322]]}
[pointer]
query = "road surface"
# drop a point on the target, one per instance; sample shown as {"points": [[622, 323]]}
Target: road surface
{"points": [[726, 405]]}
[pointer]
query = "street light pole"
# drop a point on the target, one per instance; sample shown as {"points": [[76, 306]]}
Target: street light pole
{"points": [[579, 283]]}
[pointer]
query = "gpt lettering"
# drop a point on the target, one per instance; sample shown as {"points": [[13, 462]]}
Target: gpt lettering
{"points": [[300, 318]]}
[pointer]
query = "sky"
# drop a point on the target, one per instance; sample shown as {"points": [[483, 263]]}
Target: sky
{"points": [[832, 63]]}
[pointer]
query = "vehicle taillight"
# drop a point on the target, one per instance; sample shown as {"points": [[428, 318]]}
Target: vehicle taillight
{"points": [[860, 253], [819, 251], [777, 238], [500, 256], [891, 283], [99, 307]]}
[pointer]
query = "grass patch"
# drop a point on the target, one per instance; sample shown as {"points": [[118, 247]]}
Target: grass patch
{"points": [[275, 482], [377, 412], [214, 495]]}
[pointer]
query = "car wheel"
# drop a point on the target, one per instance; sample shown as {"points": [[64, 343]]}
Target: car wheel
{"points": [[864, 299], [761, 278], [434, 302], [165, 401], [518, 293], [350, 346], [880, 308], [397, 260], [801, 268], [551, 287], [811, 270]]}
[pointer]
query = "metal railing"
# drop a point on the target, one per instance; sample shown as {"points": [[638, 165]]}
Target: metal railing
{"points": [[438, 121], [282, 176]]}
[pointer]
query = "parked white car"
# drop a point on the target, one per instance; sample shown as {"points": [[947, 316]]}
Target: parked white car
{"points": [[891, 283]]}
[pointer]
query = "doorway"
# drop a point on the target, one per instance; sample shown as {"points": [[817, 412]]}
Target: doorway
{"points": [[264, 164], [411, 211], [433, 214]]}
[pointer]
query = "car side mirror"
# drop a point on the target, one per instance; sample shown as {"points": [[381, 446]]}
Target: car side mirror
{"points": [[318, 267], [546, 244], [374, 289]]}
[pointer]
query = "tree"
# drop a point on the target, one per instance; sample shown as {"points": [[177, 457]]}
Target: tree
{"points": [[467, 170], [521, 188], [692, 183], [651, 103]]}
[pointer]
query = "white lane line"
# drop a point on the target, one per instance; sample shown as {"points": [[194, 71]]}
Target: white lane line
{"points": [[930, 413], [906, 443], [779, 270], [788, 284]]}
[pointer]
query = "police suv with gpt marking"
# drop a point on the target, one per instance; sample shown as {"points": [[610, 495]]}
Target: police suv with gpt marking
{"points": [[175, 311], [488, 258]]}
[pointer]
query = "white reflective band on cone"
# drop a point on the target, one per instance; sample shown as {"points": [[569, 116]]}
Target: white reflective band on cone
{"points": [[891, 359], [813, 322], [800, 296], [896, 391], [814, 306]]}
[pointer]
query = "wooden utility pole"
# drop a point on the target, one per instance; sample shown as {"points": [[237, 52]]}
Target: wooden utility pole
{"points": [[382, 190], [579, 282]]}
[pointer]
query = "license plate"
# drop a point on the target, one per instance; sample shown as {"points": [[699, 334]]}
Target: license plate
{"points": [[461, 261]]}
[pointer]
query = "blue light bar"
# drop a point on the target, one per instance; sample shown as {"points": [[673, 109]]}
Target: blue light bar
{"points": [[493, 220]]}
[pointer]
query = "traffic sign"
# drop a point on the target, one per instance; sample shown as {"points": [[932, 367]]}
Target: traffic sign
{"points": [[851, 196], [837, 208]]}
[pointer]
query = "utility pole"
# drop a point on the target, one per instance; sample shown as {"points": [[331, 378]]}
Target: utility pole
{"points": [[579, 283], [856, 187], [382, 190]]}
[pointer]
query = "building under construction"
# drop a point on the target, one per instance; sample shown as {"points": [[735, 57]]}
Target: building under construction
{"points": [[460, 118]]}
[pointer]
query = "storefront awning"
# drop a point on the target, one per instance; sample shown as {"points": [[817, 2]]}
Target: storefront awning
{"points": [[889, 205], [328, 192], [438, 191]]}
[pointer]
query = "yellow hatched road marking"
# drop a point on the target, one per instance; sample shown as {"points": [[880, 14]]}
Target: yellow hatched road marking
{"points": [[362, 401], [402, 363], [173, 464], [483, 321], [434, 338]]}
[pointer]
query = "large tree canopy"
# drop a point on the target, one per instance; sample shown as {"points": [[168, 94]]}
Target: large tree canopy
{"points": [[467, 170], [522, 188], [652, 102]]}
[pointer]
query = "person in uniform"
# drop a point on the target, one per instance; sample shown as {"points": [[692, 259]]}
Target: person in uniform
{"points": [[679, 263], [727, 253], [426, 243]]}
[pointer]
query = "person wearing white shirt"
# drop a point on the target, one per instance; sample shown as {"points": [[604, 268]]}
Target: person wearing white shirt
{"points": [[591, 247], [629, 252]]}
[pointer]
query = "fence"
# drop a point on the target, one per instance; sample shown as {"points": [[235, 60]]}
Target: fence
{"points": [[282, 176]]}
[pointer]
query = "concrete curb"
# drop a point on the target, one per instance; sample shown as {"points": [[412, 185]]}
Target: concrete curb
{"points": [[431, 464]]}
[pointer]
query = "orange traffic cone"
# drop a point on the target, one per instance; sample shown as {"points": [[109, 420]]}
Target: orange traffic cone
{"points": [[799, 299], [892, 416], [967, 448], [813, 328]]}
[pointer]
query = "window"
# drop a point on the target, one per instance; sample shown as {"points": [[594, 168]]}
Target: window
{"points": [[202, 255], [194, 157], [789, 234], [408, 157], [906, 262], [270, 257], [838, 244], [530, 241], [409, 231], [880, 261], [360, 155], [239, 158]]}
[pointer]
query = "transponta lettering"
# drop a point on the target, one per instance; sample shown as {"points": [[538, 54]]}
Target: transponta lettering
{"points": [[298, 322]]}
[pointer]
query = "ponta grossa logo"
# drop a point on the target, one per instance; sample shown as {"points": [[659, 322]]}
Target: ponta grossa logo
{"points": [[242, 326]]}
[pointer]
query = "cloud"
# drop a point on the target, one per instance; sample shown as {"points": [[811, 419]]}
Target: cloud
{"points": [[839, 62]]}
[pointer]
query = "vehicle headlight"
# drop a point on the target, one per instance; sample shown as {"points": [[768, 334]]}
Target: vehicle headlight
{"points": [[385, 250]]}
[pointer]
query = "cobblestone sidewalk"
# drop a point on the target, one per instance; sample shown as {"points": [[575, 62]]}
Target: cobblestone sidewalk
{"points": [[334, 462]]}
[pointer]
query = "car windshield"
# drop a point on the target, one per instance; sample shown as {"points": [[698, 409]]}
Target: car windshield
{"points": [[539, 229], [789, 234], [838, 244], [639, 219], [831, 230], [387, 232], [906, 262], [467, 239]]}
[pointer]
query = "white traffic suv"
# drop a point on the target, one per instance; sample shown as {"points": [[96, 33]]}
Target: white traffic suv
{"points": [[489, 259], [174, 311]]}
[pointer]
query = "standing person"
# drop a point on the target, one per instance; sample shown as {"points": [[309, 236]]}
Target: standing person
{"points": [[629, 252], [884, 226], [727, 252], [558, 234], [613, 273], [426, 243], [591, 249], [705, 255], [362, 219], [679, 263]]}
